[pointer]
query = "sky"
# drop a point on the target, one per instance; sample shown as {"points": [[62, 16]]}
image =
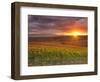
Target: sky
{"points": [[45, 26]]}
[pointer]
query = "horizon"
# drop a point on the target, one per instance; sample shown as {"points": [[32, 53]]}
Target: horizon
{"points": [[60, 36]]}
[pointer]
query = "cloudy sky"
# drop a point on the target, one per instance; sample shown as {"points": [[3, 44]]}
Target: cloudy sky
{"points": [[55, 25]]}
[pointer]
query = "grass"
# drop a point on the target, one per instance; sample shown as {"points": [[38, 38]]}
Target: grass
{"points": [[40, 55]]}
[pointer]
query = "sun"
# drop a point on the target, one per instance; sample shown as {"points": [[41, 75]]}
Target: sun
{"points": [[75, 34]]}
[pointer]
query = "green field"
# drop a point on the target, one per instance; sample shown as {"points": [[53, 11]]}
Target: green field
{"points": [[51, 54]]}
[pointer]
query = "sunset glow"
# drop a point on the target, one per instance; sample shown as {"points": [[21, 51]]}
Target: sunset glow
{"points": [[49, 26], [75, 34]]}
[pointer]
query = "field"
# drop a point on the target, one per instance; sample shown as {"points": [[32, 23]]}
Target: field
{"points": [[62, 50]]}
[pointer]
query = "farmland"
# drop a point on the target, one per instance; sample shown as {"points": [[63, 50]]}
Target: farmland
{"points": [[62, 50]]}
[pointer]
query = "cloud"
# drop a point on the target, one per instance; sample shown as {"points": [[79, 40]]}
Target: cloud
{"points": [[54, 24]]}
